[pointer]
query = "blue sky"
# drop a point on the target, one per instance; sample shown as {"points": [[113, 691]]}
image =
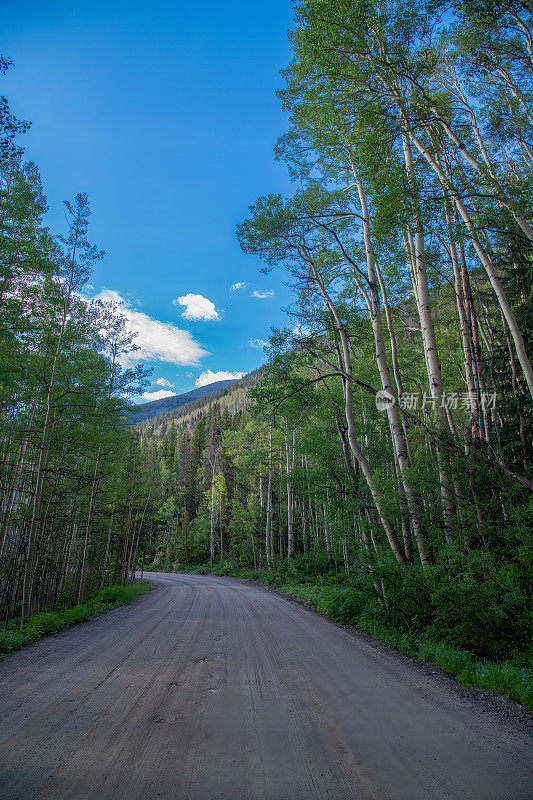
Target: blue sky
{"points": [[165, 113]]}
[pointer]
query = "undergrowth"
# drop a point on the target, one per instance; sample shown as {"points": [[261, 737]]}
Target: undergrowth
{"points": [[16, 636]]}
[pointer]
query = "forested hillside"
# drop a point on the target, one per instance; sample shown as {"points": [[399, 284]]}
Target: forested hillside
{"points": [[146, 411], [234, 397], [388, 449]]}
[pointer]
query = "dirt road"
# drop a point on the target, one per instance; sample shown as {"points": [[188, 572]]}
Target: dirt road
{"points": [[209, 688]]}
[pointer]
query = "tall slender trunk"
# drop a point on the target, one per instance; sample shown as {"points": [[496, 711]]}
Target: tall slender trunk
{"points": [[393, 414], [345, 367], [108, 546], [518, 397], [268, 527], [417, 257], [485, 424], [123, 568], [212, 529], [290, 510], [85, 554], [466, 337], [43, 450], [327, 538], [486, 261]]}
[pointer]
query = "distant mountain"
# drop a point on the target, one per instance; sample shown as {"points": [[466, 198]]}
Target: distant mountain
{"points": [[232, 396], [146, 411]]}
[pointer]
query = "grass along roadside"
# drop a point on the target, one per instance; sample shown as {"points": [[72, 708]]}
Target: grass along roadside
{"points": [[46, 623], [504, 678]]}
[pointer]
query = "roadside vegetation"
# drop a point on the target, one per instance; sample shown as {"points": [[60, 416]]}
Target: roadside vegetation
{"points": [[47, 623]]}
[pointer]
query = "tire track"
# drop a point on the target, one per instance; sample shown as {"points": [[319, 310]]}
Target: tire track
{"points": [[207, 688]]}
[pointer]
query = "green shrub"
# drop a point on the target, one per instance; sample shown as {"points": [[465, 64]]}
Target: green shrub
{"points": [[77, 614], [109, 594], [452, 661], [45, 623]]}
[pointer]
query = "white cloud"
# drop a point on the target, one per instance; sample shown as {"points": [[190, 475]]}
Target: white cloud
{"points": [[197, 307], [208, 377], [164, 382], [257, 344], [149, 396], [157, 341], [263, 295], [237, 286]]}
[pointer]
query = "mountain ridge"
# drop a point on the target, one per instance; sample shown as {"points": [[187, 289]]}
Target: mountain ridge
{"points": [[146, 411], [234, 397]]}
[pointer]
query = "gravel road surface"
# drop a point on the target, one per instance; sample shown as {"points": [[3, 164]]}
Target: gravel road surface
{"points": [[211, 688]]}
